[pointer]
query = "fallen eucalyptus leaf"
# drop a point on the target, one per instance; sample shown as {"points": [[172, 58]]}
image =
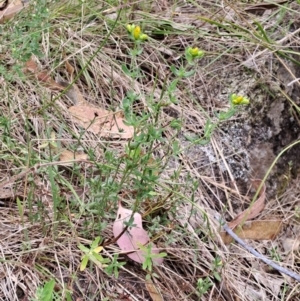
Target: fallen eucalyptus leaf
{"points": [[67, 155], [256, 230], [42, 76], [134, 236], [102, 122]]}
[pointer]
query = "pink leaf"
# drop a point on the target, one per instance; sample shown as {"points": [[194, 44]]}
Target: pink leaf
{"points": [[133, 236]]}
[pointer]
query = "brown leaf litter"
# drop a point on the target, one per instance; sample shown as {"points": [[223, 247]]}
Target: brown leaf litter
{"points": [[256, 230], [102, 122]]}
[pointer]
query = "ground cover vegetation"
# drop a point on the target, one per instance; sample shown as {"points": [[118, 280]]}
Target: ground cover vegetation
{"points": [[131, 133]]}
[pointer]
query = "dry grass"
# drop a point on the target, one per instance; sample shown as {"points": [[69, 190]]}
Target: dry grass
{"points": [[52, 209]]}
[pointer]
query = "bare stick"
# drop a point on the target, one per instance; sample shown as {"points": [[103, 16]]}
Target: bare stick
{"points": [[258, 255]]}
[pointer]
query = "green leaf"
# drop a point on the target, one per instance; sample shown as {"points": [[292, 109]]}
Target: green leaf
{"points": [[174, 70], [209, 128], [176, 124], [20, 207], [173, 98], [68, 296], [84, 262], [47, 294], [217, 276], [128, 72], [83, 248], [95, 243], [97, 257], [189, 73], [226, 115], [160, 255], [263, 33], [139, 51], [175, 148], [136, 52], [147, 264], [173, 85], [203, 141]]}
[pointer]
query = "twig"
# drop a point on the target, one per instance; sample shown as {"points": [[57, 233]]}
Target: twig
{"points": [[256, 254], [293, 81]]}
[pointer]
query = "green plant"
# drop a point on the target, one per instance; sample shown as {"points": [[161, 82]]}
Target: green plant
{"points": [[92, 254], [275, 254], [113, 266], [23, 37], [216, 266], [46, 292], [185, 70], [284, 290], [203, 285], [234, 102], [149, 256]]}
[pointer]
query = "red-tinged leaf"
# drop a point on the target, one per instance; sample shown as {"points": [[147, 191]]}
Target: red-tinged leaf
{"points": [[49, 82], [70, 68], [30, 66], [42, 76], [133, 236]]}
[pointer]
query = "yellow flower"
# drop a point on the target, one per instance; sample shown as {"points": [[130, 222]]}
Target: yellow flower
{"points": [[136, 32], [192, 54], [239, 100], [195, 52]]}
